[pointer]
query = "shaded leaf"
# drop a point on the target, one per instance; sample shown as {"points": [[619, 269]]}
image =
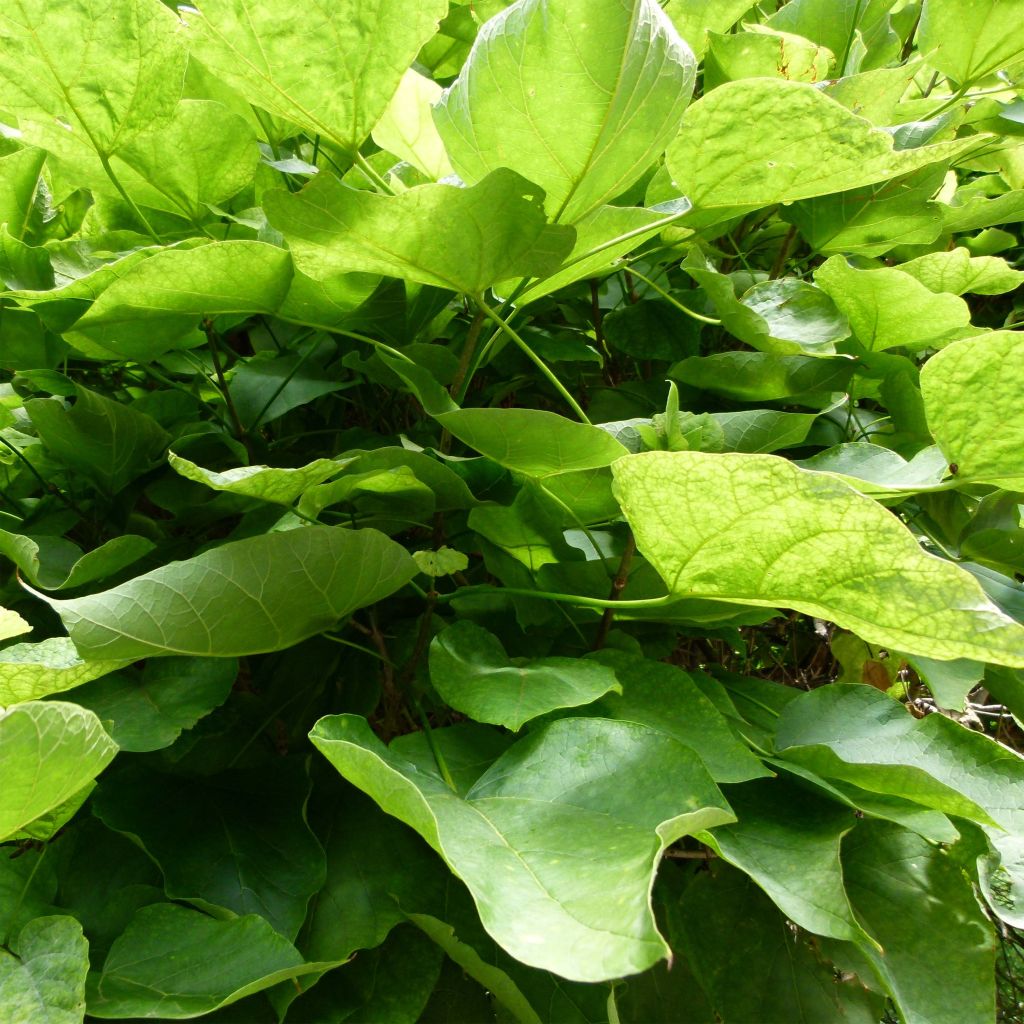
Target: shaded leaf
{"points": [[54, 563], [31, 671], [42, 981]]}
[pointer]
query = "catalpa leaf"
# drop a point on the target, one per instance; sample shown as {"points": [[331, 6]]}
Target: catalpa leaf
{"points": [[48, 751], [42, 979], [972, 400], [261, 594], [969, 39], [267, 483], [472, 673], [407, 126], [578, 788], [579, 96], [32, 671], [332, 71], [19, 178], [695, 18], [54, 563], [958, 272], [12, 624], [756, 529], [172, 963], [758, 142], [102, 73], [463, 239]]}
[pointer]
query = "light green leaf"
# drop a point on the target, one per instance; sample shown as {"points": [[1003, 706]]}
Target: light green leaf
{"points": [[949, 681], [278, 485], [872, 469], [472, 673], [856, 734], [19, 178], [42, 980], [760, 52], [695, 18], [795, 143], [106, 441], [578, 788], [443, 562], [919, 904], [237, 840], [261, 594], [969, 39], [765, 376], [148, 710], [972, 400], [54, 563], [666, 698], [788, 840], [48, 751], [31, 671], [12, 624], [158, 303], [579, 96], [957, 271], [206, 154], [332, 72], [172, 963], [756, 529], [47, 825], [464, 239], [407, 126], [103, 74], [888, 308]]}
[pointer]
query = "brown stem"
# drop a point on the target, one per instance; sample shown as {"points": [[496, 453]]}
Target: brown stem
{"points": [[780, 260], [222, 385], [618, 586]]}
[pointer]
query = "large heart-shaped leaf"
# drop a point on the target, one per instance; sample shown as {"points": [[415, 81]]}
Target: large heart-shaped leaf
{"points": [[331, 72], [245, 597], [969, 39], [756, 529], [48, 752], [576, 788], [580, 96], [465, 239]]}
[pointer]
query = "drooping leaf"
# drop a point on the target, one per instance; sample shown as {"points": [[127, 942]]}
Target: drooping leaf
{"points": [[172, 963], [969, 39], [764, 376], [236, 841], [102, 74], [48, 751], [888, 308], [332, 72], [463, 239], [54, 563], [517, 835], [148, 710], [42, 980], [805, 541], [472, 673], [158, 304], [31, 671], [278, 485], [261, 594], [798, 143], [579, 96], [875, 470], [973, 407]]}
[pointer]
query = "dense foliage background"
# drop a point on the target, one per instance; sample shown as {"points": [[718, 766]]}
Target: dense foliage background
{"points": [[511, 512]]}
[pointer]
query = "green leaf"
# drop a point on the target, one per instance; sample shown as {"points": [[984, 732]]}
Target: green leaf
{"points": [[665, 698], [760, 52], [148, 710], [517, 836], [857, 734], [805, 541], [236, 840], [969, 39], [158, 303], [19, 178], [760, 431], [765, 376], [102, 74], [579, 96], [445, 561], [31, 671], [54, 563], [106, 441], [957, 271], [48, 751], [332, 71], [278, 485], [463, 239], [172, 963], [407, 128], [788, 841], [916, 900], [244, 597], [472, 674], [794, 142], [42, 981], [695, 18], [28, 889], [872, 469], [974, 410], [888, 308], [12, 624]]}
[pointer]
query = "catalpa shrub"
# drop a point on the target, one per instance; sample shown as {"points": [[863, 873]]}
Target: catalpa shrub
{"points": [[511, 512]]}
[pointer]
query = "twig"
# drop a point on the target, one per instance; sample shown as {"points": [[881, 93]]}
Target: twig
{"points": [[618, 586], [222, 385]]}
